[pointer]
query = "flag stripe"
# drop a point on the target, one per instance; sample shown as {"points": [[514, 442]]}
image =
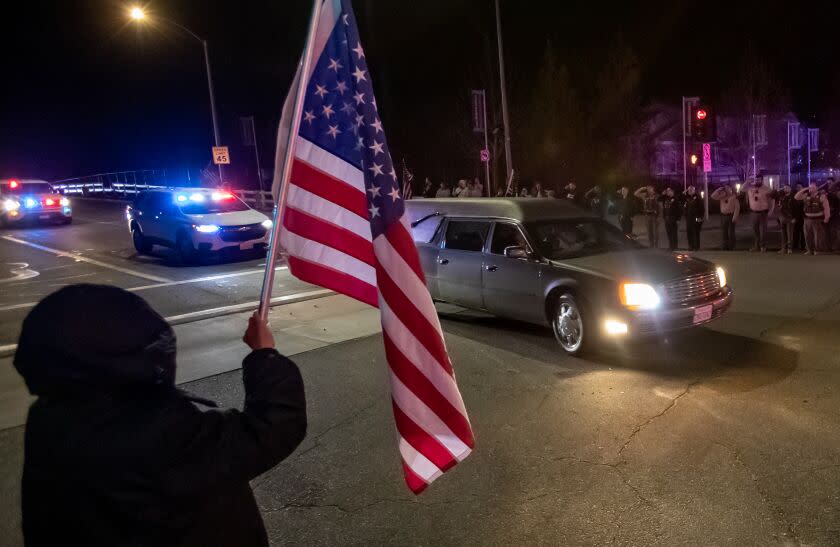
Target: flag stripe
{"points": [[403, 242], [329, 234], [332, 279], [417, 462], [334, 259], [413, 320], [321, 184], [414, 482], [330, 164], [319, 207], [427, 392], [426, 419], [421, 441], [414, 288]]}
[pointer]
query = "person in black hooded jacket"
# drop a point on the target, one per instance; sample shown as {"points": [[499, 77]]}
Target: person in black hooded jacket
{"points": [[115, 454]]}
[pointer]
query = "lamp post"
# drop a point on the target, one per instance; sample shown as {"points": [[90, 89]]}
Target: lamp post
{"points": [[138, 14]]}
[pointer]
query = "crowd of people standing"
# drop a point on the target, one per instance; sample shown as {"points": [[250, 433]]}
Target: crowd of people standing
{"points": [[808, 217]]}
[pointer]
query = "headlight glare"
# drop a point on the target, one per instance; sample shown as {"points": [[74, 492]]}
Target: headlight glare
{"points": [[206, 228], [11, 205], [267, 224], [639, 296], [721, 273]]}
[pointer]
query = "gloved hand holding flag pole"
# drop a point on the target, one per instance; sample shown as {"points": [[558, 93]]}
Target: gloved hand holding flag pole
{"points": [[344, 227]]}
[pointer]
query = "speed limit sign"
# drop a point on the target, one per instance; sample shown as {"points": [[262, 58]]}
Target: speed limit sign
{"points": [[221, 155]]}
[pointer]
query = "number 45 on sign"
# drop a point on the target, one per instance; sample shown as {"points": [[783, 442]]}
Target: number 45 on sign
{"points": [[221, 155]]}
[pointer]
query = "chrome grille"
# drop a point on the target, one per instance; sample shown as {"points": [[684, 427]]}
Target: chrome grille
{"points": [[692, 289]]}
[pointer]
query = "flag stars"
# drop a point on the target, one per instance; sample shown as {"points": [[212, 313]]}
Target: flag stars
{"points": [[344, 18], [347, 108], [359, 51], [374, 211], [395, 194], [377, 147], [360, 120], [359, 74], [377, 169], [333, 131], [341, 87], [321, 90], [360, 143], [374, 191], [360, 98], [377, 125], [335, 65], [328, 110], [393, 174]]}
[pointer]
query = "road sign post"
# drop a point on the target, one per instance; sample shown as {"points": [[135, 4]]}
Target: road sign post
{"points": [[707, 167], [221, 156]]}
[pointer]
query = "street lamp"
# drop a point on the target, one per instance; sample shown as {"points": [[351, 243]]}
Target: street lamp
{"points": [[137, 13]]}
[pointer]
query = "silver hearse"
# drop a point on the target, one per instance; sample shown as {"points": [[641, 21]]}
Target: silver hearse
{"points": [[550, 262]]}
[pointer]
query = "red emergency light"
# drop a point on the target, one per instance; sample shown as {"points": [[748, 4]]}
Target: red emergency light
{"points": [[49, 202], [701, 114], [13, 184]]}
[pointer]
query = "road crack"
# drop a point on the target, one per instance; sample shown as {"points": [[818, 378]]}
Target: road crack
{"points": [[638, 428], [790, 532]]}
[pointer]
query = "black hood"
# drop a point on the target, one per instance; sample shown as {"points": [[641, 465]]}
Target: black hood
{"points": [[91, 338]]}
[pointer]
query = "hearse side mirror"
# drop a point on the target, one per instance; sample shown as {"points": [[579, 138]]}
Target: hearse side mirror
{"points": [[516, 252]]}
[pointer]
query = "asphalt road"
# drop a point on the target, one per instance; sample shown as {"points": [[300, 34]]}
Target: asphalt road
{"points": [[97, 248], [726, 435]]}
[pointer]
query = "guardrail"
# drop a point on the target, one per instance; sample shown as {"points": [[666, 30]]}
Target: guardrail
{"points": [[127, 190]]}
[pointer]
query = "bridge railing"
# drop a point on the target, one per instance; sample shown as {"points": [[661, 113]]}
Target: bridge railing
{"points": [[126, 184]]}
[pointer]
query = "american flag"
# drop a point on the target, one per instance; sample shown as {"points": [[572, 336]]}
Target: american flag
{"points": [[408, 182], [344, 227]]}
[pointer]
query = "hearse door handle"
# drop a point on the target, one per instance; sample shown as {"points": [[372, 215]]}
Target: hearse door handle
{"points": [[491, 268], [443, 261]]}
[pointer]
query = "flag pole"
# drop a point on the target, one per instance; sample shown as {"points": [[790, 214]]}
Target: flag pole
{"points": [[300, 95]]}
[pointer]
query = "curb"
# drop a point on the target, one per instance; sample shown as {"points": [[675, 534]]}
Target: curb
{"points": [[203, 315]]}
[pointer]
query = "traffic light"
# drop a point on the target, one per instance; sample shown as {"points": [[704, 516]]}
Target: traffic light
{"points": [[693, 158], [703, 124]]}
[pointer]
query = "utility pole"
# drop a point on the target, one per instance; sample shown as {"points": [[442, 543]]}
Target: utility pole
{"points": [[687, 102], [212, 105], [505, 120]]}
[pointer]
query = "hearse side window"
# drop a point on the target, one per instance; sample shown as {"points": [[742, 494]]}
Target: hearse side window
{"points": [[425, 231], [506, 234], [466, 235]]}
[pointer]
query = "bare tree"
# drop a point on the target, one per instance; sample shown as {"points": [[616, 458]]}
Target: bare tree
{"points": [[755, 91]]}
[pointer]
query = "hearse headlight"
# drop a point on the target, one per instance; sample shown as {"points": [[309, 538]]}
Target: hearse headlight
{"points": [[639, 296]]}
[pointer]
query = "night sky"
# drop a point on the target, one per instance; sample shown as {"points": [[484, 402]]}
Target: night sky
{"points": [[86, 91]]}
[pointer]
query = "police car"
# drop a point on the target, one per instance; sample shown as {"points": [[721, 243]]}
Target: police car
{"points": [[27, 200], [195, 220]]}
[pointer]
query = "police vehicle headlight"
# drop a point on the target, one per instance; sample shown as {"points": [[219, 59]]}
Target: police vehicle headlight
{"points": [[206, 228], [267, 224], [64, 202], [721, 273], [639, 296], [11, 205]]}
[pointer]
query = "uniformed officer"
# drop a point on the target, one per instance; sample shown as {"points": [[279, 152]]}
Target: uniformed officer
{"points": [[730, 208], [596, 201], [650, 208], [694, 213], [671, 212], [624, 208], [817, 214], [786, 206], [570, 192]]}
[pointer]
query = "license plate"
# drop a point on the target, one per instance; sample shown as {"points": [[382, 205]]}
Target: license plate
{"points": [[44, 217], [703, 313]]}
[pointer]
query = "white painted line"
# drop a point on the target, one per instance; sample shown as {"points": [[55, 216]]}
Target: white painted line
{"points": [[160, 285], [201, 279], [95, 262], [246, 306], [217, 312]]}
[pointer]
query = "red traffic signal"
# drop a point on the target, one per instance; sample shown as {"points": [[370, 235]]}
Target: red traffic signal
{"points": [[703, 126], [701, 114]]}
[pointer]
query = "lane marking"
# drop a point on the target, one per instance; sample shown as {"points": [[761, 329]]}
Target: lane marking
{"points": [[247, 306], [20, 271], [93, 261], [201, 279], [158, 285], [211, 313]]}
